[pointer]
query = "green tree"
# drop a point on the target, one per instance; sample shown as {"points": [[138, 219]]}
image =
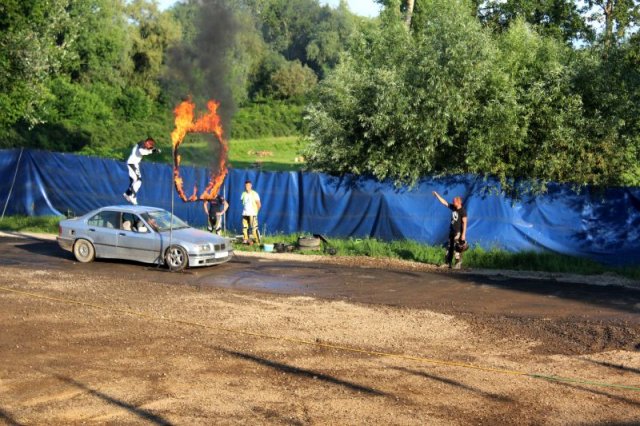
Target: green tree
{"points": [[293, 80], [152, 32], [102, 45], [36, 37], [562, 19], [288, 24], [550, 144], [405, 104], [304, 30], [260, 84], [245, 57], [407, 8], [330, 38], [448, 97], [618, 16], [610, 88]]}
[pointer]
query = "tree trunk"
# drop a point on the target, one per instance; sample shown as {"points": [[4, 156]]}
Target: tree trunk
{"points": [[407, 19], [607, 8]]}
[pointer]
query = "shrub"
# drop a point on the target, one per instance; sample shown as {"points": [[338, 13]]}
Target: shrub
{"points": [[271, 118]]}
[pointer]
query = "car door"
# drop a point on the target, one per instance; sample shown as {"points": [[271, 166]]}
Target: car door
{"points": [[102, 229], [141, 243], [126, 235]]}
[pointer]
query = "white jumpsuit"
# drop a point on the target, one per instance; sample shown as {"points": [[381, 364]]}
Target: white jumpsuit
{"points": [[133, 164]]}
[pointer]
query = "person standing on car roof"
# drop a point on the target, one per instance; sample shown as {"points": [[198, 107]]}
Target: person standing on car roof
{"points": [[142, 148], [215, 209], [457, 231], [250, 208]]}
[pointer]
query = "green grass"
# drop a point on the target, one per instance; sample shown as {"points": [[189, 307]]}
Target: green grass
{"points": [[273, 154], [41, 224], [476, 257], [270, 153]]}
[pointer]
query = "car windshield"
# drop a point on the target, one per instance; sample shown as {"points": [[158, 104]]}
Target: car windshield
{"points": [[160, 220]]}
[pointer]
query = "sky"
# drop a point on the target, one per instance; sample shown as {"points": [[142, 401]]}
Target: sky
{"points": [[359, 7]]}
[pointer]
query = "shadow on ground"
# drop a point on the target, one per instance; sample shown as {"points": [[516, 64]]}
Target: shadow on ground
{"points": [[141, 413], [456, 384], [300, 372], [8, 418]]}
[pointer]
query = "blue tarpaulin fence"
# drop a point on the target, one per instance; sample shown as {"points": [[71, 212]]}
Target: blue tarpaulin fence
{"points": [[603, 226]]}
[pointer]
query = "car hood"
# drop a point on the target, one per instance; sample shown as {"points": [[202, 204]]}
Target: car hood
{"points": [[195, 236]]}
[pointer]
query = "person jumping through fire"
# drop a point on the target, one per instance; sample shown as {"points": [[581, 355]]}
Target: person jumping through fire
{"points": [[250, 207], [142, 148], [457, 231], [215, 210]]}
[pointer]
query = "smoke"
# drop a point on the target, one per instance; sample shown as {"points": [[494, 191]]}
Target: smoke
{"points": [[200, 66]]}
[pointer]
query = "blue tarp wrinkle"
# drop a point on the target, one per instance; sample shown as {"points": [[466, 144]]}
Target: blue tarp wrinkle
{"points": [[604, 226]]}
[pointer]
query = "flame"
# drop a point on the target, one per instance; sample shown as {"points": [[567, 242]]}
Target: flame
{"points": [[194, 196], [206, 123]]}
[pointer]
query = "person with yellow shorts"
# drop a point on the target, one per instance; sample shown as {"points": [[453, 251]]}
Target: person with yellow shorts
{"points": [[250, 208]]}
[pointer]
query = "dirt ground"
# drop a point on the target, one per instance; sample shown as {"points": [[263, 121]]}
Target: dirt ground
{"points": [[269, 341]]}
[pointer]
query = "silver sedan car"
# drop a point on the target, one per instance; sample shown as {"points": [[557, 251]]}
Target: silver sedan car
{"points": [[143, 234]]}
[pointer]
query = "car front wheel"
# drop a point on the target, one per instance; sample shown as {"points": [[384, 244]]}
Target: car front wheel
{"points": [[176, 258], [83, 251]]}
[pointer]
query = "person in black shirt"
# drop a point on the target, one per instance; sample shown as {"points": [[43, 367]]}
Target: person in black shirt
{"points": [[457, 230], [215, 209]]}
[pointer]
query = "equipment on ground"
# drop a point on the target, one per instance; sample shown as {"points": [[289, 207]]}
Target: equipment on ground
{"points": [[328, 248], [461, 246]]}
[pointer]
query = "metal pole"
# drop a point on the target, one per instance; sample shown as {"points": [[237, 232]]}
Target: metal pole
{"points": [[224, 215], [15, 175], [173, 186]]}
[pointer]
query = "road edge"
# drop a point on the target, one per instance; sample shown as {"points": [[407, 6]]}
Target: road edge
{"points": [[602, 280]]}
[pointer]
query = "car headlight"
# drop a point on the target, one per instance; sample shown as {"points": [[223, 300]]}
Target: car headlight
{"points": [[204, 247]]}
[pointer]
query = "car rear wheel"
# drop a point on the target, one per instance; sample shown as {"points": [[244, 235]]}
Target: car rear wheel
{"points": [[176, 258], [84, 251]]}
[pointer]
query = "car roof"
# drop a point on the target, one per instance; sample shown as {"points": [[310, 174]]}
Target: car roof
{"points": [[131, 209]]}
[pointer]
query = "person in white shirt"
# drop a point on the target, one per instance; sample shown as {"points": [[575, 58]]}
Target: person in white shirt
{"points": [[142, 148], [250, 208]]}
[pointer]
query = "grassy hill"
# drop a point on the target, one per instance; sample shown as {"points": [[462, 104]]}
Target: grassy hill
{"points": [[269, 153]]}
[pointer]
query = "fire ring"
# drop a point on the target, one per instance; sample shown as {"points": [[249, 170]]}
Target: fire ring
{"points": [[206, 123]]}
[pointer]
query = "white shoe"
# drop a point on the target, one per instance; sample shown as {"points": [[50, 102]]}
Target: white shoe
{"points": [[126, 197], [134, 201]]}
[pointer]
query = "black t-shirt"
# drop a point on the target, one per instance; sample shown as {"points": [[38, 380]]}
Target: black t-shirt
{"points": [[216, 205], [456, 219]]}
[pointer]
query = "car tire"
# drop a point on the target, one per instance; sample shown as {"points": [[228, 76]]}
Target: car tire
{"points": [[84, 251], [176, 258], [309, 243]]}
